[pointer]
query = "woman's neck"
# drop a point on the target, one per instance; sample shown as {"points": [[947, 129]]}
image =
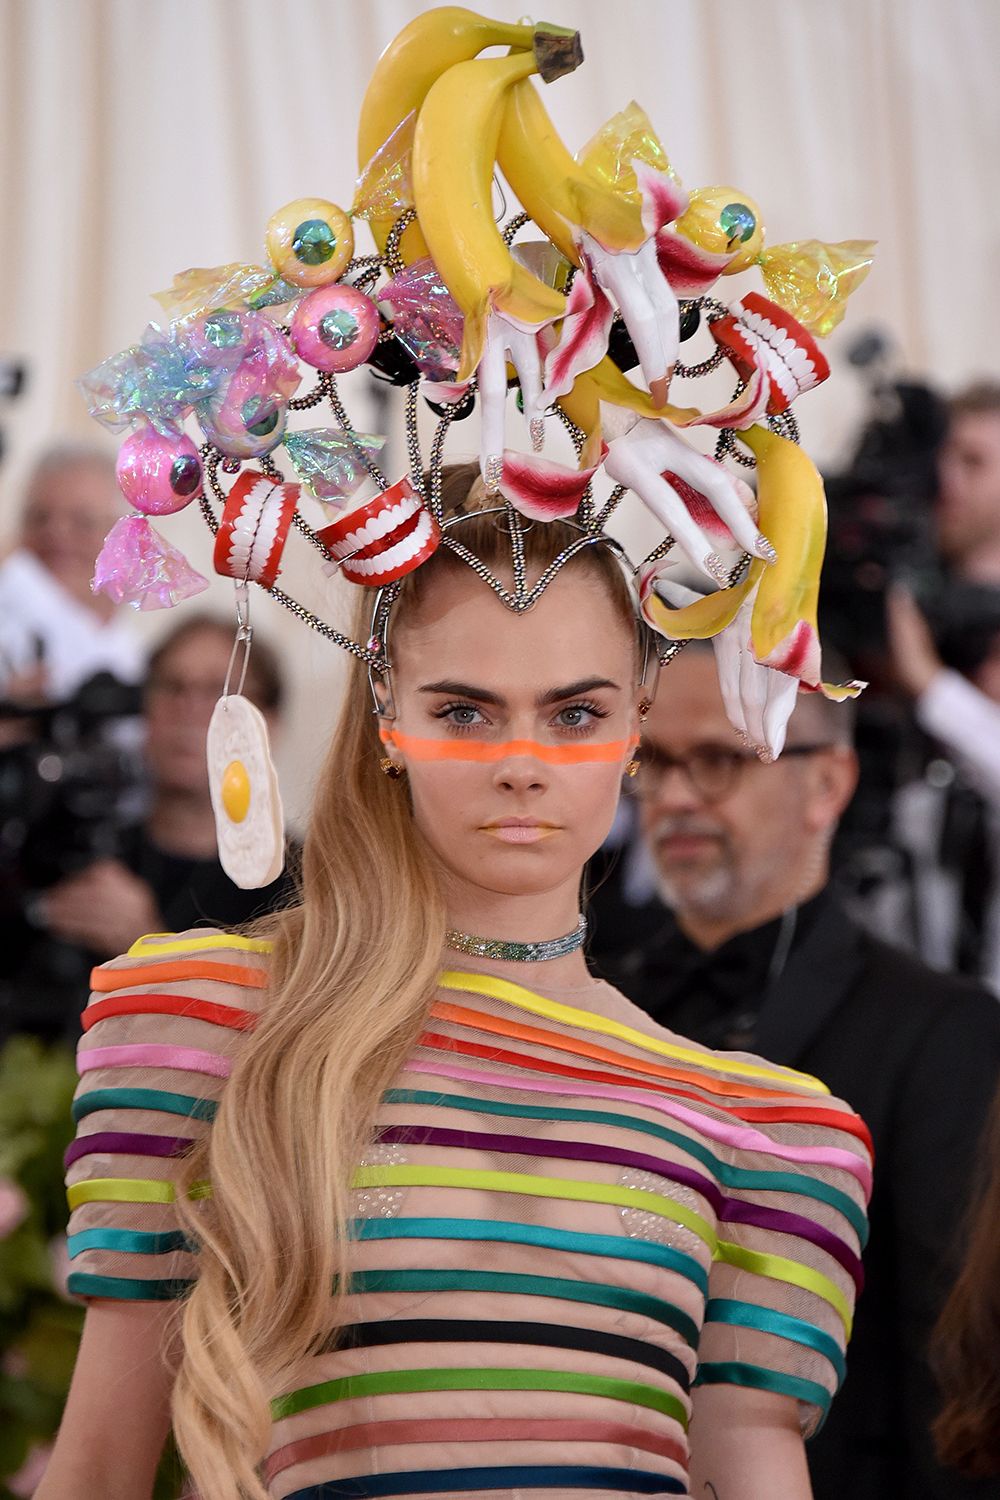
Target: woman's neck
{"points": [[499, 917]]}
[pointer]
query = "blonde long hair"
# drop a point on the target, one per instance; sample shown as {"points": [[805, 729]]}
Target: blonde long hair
{"points": [[352, 977]]}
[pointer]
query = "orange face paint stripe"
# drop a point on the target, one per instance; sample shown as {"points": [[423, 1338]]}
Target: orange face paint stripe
{"points": [[478, 1021], [418, 748], [183, 968]]}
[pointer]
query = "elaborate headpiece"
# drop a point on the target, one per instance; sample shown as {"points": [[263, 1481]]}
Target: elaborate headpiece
{"points": [[456, 308]]}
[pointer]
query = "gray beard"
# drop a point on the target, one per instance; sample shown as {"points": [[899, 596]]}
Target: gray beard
{"points": [[709, 895]]}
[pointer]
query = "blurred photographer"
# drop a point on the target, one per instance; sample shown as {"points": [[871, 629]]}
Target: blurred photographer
{"points": [[948, 820], [157, 873], [967, 508], [55, 633]]}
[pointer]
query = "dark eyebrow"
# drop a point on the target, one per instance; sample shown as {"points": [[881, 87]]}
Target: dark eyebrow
{"points": [[462, 690], [576, 689], [482, 695]]}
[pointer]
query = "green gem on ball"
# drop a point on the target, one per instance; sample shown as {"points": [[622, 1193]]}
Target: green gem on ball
{"points": [[737, 222], [260, 416], [314, 242], [338, 329]]}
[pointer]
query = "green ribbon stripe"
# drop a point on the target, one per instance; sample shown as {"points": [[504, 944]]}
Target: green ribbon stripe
{"points": [[132, 1241], [155, 1099], [783, 1325], [500, 1231], [593, 1293], [743, 1179], [124, 1289], [399, 1382], [736, 1372]]}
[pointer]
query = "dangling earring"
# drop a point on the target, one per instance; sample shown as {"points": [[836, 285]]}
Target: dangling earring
{"points": [[632, 767], [391, 768], [246, 799]]}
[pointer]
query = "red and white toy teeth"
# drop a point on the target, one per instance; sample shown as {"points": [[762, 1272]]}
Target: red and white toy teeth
{"points": [[254, 528], [384, 538], [758, 334]]}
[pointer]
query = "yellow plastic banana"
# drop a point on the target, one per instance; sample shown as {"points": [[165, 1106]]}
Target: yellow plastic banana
{"points": [[425, 49], [454, 152], [792, 512], [605, 382], [554, 188], [706, 617]]}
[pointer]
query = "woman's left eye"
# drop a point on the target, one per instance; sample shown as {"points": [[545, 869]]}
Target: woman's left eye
{"points": [[579, 716]]}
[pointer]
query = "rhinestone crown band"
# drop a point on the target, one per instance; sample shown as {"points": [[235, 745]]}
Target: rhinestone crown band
{"points": [[519, 952]]}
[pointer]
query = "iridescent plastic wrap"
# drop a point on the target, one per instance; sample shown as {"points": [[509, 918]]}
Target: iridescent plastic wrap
{"points": [[158, 380], [245, 415], [383, 189], [331, 464], [425, 318], [137, 567], [203, 289], [626, 137], [813, 281]]}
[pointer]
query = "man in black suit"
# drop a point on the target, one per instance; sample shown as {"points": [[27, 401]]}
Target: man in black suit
{"points": [[759, 955]]}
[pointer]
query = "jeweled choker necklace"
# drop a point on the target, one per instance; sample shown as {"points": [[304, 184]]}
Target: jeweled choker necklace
{"points": [[523, 953]]}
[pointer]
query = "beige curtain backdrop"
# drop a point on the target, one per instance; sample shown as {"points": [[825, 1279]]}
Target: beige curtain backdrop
{"points": [[140, 137]]}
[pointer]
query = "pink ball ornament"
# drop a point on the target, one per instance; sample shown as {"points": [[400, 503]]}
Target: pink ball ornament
{"points": [[158, 474], [335, 328]]}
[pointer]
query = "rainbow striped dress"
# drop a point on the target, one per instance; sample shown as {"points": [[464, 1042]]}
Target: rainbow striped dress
{"points": [[567, 1221]]}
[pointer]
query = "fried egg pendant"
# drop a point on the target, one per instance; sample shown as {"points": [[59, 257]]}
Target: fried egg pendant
{"points": [[249, 821]]}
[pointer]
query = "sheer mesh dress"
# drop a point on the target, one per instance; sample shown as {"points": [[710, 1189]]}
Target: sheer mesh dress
{"points": [[569, 1218]]}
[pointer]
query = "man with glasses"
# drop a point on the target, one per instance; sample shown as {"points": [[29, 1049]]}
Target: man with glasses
{"points": [[756, 953]]}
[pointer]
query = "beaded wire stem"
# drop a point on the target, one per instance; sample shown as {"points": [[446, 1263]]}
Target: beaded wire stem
{"points": [[363, 272]]}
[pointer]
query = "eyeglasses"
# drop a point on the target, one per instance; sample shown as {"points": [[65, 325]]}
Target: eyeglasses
{"points": [[712, 770]]}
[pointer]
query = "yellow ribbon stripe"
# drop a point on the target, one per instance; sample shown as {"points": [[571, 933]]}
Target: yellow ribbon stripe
{"points": [[779, 1268], [129, 1190], [149, 946], [585, 1020], [568, 1189]]}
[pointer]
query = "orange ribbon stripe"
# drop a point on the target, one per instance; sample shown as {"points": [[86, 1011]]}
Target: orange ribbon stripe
{"points": [[181, 968], [480, 1021]]}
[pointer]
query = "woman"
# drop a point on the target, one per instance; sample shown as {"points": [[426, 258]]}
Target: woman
{"points": [[967, 1431], [569, 1227]]}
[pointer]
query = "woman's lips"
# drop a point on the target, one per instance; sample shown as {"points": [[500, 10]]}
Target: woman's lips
{"points": [[514, 832]]}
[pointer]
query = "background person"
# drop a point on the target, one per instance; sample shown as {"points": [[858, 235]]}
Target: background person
{"points": [[967, 1339], [967, 509], [163, 871], [948, 819], [756, 952], [55, 633]]}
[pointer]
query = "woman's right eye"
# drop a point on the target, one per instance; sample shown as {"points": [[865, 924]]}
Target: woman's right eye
{"points": [[461, 715]]}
